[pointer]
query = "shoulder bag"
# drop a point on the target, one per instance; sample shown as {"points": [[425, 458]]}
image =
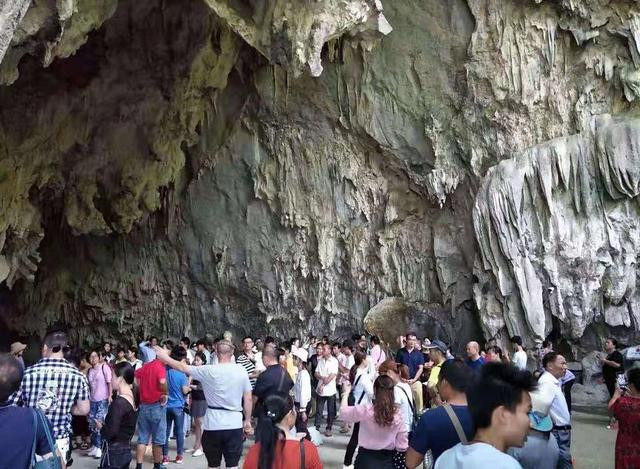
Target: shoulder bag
{"points": [[456, 423], [351, 399], [302, 456], [54, 462]]}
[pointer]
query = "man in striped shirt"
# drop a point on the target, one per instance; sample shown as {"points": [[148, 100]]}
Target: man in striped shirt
{"points": [[248, 360]]}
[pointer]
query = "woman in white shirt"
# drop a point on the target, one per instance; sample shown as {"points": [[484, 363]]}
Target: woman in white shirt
{"points": [[361, 393], [302, 391]]}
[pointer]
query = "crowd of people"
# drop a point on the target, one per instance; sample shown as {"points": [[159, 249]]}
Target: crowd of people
{"points": [[418, 406]]}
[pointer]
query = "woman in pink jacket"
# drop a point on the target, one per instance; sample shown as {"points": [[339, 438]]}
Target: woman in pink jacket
{"points": [[382, 430]]}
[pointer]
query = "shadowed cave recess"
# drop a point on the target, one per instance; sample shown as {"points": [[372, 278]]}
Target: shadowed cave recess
{"points": [[465, 169]]}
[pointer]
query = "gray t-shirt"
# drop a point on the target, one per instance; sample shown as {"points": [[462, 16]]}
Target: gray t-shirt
{"points": [[223, 385]]}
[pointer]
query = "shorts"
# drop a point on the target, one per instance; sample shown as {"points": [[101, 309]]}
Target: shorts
{"points": [[198, 408], [227, 443], [152, 424]]}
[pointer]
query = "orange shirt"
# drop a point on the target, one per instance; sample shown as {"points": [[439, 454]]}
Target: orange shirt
{"points": [[287, 457]]}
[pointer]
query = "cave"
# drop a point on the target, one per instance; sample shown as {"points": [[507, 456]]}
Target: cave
{"points": [[466, 169]]}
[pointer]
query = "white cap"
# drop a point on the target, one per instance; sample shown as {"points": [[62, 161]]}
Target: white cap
{"points": [[301, 354]]}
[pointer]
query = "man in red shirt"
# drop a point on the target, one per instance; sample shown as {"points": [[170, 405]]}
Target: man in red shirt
{"points": [[152, 416]]}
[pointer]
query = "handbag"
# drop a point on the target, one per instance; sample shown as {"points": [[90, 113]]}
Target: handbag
{"points": [[54, 462]]}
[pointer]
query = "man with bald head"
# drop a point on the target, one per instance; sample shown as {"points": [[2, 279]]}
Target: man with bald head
{"points": [[474, 360], [227, 390]]}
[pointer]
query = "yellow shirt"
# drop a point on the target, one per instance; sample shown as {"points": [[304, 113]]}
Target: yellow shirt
{"points": [[291, 369], [435, 373]]}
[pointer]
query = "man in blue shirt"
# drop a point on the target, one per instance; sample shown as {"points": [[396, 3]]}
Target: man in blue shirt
{"points": [[413, 358], [474, 359], [436, 431], [177, 388], [17, 425]]}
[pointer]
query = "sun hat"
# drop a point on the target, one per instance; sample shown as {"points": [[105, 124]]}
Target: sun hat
{"points": [[301, 353], [437, 344]]}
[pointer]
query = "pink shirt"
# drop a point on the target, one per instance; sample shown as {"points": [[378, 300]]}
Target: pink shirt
{"points": [[377, 355], [99, 379], [372, 435]]}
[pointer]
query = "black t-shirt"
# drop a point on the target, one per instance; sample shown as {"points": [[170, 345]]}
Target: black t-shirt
{"points": [[608, 371], [197, 394], [120, 423]]}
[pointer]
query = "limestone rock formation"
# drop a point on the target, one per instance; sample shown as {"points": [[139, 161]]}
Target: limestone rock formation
{"points": [[189, 167]]}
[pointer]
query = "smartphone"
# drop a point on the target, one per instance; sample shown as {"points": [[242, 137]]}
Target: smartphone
{"points": [[622, 381]]}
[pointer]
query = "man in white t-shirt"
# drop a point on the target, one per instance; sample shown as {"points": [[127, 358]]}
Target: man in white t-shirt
{"points": [[499, 403], [227, 390], [326, 374], [519, 359]]}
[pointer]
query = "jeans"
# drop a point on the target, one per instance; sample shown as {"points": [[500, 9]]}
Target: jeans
{"points": [[118, 456], [152, 424], [331, 410], [175, 415], [563, 437], [97, 413]]}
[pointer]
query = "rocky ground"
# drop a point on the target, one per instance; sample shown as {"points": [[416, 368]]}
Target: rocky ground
{"points": [[593, 447]]}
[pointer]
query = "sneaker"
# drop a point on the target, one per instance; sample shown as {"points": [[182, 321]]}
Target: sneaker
{"points": [[348, 467], [98, 453], [165, 460], [197, 453], [327, 433], [179, 459], [190, 450], [92, 451]]}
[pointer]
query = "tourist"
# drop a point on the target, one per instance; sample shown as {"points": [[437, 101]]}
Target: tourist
{"points": [[345, 363], [445, 426], [60, 398], [403, 397], [302, 390], [547, 346], [107, 354], [313, 364], [120, 423], [499, 403], [612, 365], [474, 359], [152, 415], [132, 357], [17, 431], [201, 346], [567, 382], [17, 350], [382, 431], [247, 359], [287, 348], [437, 355], [555, 367], [326, 373], [335, 349], [361, 394], [273, 380], [519, 359], [99, 377], [376, 352], [408, 355], [276, 447], [494, 355], [120, 356], [540, 450], [259, 347], [177, 388], [625, 406], [145, 349], [198, 406], [227, 390], [185, 343]]}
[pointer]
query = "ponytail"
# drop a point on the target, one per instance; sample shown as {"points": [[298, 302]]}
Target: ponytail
{"points": [[358, 358], [275, 409]]}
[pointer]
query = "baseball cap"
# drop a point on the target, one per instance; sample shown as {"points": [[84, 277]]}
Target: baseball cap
{"points": [[437, 344]]}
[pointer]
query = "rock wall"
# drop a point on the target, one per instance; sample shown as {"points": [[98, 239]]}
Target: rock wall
{"points": [[284, 166]]}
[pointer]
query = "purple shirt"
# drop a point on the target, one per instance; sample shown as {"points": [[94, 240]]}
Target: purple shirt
{"points": [[99, 379]]}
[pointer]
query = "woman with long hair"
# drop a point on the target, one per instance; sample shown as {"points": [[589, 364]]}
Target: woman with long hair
{"points": [[120, 422], [278, 448], [625, 406], [361, 393], [382, 431], [198, 406]]}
